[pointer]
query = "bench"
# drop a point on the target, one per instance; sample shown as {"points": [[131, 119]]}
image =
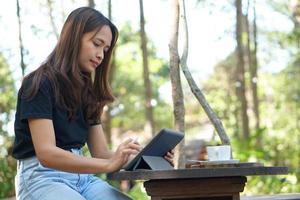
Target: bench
{"points": [[198, 183], [273, 197]]}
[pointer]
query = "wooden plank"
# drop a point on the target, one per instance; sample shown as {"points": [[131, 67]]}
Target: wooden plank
{"points": [[197, 173], [235, 197], [200, 164], [196, 187], [295, 196]]}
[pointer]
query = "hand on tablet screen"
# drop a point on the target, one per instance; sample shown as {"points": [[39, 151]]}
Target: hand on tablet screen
{"points": [[157, 154], [132, 156], [123, 154]]}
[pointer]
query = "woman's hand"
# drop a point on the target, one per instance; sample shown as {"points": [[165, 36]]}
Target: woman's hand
{"points": [[122, 155], [170, 157]]}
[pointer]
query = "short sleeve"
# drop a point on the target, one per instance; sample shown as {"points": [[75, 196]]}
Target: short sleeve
{"points": [[94, 122], [40, 106]]}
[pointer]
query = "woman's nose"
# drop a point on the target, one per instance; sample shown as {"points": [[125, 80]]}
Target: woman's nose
{"points": [[100, 55]]}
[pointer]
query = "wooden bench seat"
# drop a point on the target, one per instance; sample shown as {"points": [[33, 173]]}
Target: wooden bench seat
{"points": [[295, 196], [224, 183]]}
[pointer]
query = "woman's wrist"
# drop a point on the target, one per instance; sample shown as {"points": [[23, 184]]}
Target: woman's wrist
{"points": [[103, 165]]}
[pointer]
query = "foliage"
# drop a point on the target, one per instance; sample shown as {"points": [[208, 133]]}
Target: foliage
{"points": [[135, 189], [138, 192], [220, 90], [7, 94], [276, 151], [279, 96], [279, 135], [276, 143], [7, 103], [7, 173], [129, 109]]}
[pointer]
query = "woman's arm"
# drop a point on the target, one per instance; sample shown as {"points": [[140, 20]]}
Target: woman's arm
{"points": [[49, 155], [97, 143]]}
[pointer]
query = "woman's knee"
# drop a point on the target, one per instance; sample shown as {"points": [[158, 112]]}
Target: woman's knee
{"points": [[99, 190]]}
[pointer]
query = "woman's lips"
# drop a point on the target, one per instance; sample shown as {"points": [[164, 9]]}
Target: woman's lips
{"points": [[95, 64]]}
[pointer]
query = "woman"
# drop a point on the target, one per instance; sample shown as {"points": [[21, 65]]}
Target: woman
{"points": [[58, 112]]}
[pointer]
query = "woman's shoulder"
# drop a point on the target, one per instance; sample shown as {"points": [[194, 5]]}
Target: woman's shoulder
{"points": [[34, 83], [45, 83]]}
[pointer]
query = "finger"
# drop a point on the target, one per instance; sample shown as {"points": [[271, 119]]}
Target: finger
{"points": [[129, 151], [126, 142], [168, 158], [136, 141], [170, 155], [170, 161], [172, 151], [135, 146]]}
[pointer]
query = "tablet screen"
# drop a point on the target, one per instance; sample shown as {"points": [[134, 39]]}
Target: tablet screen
{"points": [[163, 142]]}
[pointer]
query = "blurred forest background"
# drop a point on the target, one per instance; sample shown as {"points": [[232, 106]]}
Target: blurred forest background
{"points": [[244, 55]]}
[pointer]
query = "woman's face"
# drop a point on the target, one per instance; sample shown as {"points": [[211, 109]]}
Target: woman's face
{"points": [[93, 46]]}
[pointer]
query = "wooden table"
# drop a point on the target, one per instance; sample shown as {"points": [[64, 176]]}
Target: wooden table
{"points": [[198, 183]]}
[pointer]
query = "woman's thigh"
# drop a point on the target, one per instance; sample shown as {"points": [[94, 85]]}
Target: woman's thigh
{"points": [[98, 189], [35, 182], [51, 191]]}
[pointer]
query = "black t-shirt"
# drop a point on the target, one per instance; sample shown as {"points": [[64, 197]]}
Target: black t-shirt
{"points": [[68, 133]]}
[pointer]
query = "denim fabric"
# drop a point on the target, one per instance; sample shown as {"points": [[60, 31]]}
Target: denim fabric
{"points": [[35, 182]]}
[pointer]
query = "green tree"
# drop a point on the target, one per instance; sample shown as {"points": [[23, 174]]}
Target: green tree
{"points": [[128, 111], [7, 104], [220, 87]]}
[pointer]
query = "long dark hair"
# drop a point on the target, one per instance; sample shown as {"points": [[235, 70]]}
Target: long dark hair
{"points": [[73, 88]]}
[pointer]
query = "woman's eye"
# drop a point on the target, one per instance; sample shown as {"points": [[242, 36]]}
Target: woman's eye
{"points": [[96, 44]]}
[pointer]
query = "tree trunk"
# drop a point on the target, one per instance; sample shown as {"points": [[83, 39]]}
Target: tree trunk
{"points": [[195, 89], [106, 118], [177, 94], [49, 3], [252, 61], [91, 3], [149, 126], [240, 71], [254, 76], [294, 7], [23, 66], [63, 14]]}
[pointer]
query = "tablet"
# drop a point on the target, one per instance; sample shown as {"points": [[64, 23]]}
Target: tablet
{"points": [[151, 156]]}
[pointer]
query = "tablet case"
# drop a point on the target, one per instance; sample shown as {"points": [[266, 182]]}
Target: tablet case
{"points": [[153, 163], [152, 156]]}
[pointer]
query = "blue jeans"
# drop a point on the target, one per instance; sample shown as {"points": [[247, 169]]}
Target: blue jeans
{"points": [[35, 182]]}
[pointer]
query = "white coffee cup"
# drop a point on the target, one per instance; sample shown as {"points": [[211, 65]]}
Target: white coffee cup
{"points": [[215, 153]]}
